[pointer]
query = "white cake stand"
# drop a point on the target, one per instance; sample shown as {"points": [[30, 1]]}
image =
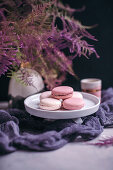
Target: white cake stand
{"points": [[91, 106]]}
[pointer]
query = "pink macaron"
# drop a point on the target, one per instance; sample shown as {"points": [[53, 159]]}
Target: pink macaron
{"points": [[73, 103], [50, 104], [45, 94], [77, 95], [62, 92]]}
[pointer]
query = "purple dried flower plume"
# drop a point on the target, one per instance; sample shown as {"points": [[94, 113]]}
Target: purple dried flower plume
{"points": [[108, 141], [37, 39]]}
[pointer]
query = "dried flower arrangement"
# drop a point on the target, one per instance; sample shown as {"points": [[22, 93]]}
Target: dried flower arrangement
{"points": [[107, 141], [39, 39]]}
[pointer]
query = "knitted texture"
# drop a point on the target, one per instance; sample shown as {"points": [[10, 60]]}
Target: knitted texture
{"points": [[20, 131]]}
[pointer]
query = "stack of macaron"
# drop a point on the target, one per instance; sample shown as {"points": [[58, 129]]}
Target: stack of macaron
{"points": [[62, 97]]}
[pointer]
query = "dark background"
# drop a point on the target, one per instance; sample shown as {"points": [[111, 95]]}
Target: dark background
{"points": [[97, 12]]}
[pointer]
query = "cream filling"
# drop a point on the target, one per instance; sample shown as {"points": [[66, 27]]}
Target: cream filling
{"points": [[62, 94]]}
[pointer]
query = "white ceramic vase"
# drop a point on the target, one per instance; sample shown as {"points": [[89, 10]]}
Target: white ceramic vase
{"points": [[18, 89]]}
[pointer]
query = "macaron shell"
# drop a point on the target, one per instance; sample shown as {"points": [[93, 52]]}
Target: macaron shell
{"points": [[50, 104], [73, 104], [45, 94], [62, 92], [77, 95]]}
